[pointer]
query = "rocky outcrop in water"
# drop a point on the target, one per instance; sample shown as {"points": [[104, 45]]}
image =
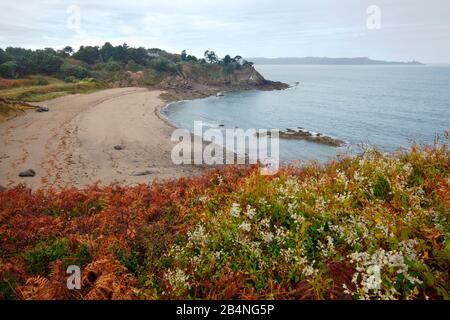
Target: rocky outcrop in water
{"points": [[308, 136]]}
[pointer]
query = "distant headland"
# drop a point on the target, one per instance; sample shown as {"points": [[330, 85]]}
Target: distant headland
{"points": [[328, 61]]}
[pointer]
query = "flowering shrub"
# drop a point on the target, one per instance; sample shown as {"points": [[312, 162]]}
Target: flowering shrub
{"points": [[373, 226]]}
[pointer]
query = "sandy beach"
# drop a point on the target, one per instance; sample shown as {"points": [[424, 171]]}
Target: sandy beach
{"points": [[72, 145]]}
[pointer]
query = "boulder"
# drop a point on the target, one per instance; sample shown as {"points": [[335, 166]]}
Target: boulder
{"points": [[118, 147], [43, 108], [27, 173]]}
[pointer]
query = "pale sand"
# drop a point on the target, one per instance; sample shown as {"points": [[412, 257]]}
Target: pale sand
{"points": [[73, 144]]}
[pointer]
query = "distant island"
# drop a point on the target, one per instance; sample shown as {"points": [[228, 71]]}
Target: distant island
{"points": [[328, 61]]}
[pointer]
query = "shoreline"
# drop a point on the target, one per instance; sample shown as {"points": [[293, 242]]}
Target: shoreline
{"points": [[73, 145], [160, 114], [289, 134]]}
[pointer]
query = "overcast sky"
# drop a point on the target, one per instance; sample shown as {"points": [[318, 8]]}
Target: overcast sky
{"points": [[410, 29]]}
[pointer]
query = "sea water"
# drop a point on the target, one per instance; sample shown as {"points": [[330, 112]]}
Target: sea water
{"points": [[387, 107]]}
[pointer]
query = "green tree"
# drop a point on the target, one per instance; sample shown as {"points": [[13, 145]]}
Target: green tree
{"points": [[191, 58], [8, 70], [23, 59], [4, 57], [121, 53], [211, 57], [139, 55], [183, 55], [248, 63], [46, 61], [107, 51], [65, 52], [238, 59], [88, 54], [68, 49], [227, 60]]}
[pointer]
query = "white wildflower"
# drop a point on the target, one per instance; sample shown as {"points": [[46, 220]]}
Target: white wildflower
{"points": [[309, 271], [292, 207], [177, 279], [327, 249], [267, 237], [255, 249], [198, 237], [235, 210], [370, 266], [262, 201], [373, 280], [251, 212], [245, 226], [218, 254], [264, 223]]}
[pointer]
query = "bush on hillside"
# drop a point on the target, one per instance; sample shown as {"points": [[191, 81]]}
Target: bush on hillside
{"points": [[113, 66], [133, 66], [76, 71], [162, 65], [8, 70]]}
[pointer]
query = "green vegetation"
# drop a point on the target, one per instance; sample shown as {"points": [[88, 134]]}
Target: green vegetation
{"points": [[38, 258], [89, 61], [374, 226], [38, 75], [54, 89]]}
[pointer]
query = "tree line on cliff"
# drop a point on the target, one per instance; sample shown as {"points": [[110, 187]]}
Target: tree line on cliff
{"points": [[101, 62]]}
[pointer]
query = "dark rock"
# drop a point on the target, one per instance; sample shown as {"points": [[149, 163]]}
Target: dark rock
{"points": [[2, 188], [118, 147], [306, 135], [27, 173], [141, 173], [42, 109], [221, 125]]}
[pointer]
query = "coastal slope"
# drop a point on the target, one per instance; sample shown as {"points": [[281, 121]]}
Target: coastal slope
{"points": [[196, 81]]}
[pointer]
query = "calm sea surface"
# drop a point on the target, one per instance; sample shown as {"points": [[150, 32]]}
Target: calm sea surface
{"points": [[386, 107]]}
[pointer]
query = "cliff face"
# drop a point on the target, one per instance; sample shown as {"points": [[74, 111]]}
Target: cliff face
{"points": [[247, 76], [195, 81]]}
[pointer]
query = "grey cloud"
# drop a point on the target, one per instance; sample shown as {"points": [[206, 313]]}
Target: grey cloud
{"points": [[410, 28]]}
